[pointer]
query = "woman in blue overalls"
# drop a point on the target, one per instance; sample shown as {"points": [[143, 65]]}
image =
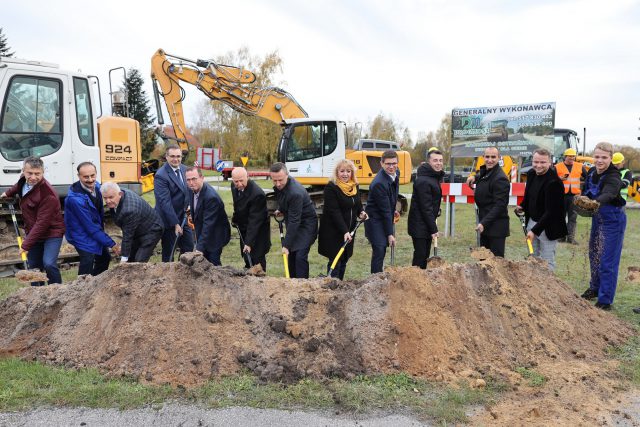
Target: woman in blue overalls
{"points": [[603, 184]]}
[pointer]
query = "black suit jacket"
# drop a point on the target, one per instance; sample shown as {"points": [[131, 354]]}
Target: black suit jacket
{"points": [[251, 215], [210, 220], [381, 205], [137, 219], [492, 198], [299, 215], [550, 199], [172, 195]]}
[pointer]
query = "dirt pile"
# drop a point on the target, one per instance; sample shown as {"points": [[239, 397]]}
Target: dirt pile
{"points": [[182, 323]]}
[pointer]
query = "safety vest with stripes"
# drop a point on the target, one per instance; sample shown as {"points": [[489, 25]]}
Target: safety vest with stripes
{"points": [[572, 183], [624, 192]]}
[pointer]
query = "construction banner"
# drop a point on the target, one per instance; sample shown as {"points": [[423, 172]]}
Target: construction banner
{"points": [[517, 130]]}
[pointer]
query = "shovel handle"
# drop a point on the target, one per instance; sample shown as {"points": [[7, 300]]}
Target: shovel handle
{"points": [[285, 259], [530, 246]]}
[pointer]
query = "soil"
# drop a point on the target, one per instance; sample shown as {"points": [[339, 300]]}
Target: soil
{"points": [[186, 322], [31, 276]]}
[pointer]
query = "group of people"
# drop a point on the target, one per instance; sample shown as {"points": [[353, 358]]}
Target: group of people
{"points": [[190, 215], [550, 214]]}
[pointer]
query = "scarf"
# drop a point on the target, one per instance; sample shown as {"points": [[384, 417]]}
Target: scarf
{"points": [[348, 188]]}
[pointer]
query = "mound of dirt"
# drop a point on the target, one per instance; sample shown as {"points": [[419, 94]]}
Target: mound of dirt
{"points": [[183, 323]]}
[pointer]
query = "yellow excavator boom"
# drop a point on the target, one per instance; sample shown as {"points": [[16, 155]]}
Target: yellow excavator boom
{"points": [[232, 85]]}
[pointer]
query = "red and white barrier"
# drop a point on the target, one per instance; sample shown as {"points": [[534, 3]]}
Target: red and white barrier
{"points": [[462, 193]]}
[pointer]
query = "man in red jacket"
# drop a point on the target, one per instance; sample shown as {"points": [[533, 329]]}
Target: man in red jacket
{"points": [[42, 218]]}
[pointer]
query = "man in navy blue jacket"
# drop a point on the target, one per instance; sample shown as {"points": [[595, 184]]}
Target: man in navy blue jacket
{"points": [[381, 208], [172, 198], [209, 218], [84, 222]]}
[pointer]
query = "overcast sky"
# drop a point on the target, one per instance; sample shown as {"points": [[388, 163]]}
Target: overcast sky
{"points": [[351, 59]]}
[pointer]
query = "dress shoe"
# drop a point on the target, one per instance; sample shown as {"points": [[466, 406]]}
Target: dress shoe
{"points": [[605, 307], [636, 310]]}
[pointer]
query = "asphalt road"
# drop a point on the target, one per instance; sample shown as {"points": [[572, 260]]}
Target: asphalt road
{"points": [[183, 415]]}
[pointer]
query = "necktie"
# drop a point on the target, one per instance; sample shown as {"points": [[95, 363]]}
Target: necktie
{"points": [[177, 171], [195, 202]]}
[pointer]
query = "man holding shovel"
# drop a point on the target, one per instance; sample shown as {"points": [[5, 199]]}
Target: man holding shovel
{"points": [[425, 207], [491, 193], [381, 209], [299, 217], [251, 217], [543, 207]]}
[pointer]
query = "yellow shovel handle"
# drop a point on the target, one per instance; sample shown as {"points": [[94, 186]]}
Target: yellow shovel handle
{"points": [[23, 255], [285, 258], [336, 259]]}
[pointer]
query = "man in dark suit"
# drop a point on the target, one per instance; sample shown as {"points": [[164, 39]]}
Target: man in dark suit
{"points": [[543, 207], [141, 225], [212, 230], [492, 198], [300, 218], [381, 208], [172, 197], [251, 216]]}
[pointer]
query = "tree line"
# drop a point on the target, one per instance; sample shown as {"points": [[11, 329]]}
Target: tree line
{"points": [[217, 125]]}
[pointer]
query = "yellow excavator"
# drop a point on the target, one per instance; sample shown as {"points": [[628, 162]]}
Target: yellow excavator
{"points": [[310, 147]]}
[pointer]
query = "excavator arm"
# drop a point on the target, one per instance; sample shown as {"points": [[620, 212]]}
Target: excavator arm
{"points": [[232, 85]]}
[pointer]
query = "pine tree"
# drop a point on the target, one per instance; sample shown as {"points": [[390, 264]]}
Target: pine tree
{"points": [[4, 46], [139, 108]]}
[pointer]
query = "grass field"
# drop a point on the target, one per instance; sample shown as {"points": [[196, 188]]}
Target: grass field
{"points": [[27, 384]]}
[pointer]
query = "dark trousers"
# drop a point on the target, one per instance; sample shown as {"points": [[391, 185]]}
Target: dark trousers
{"points": [[142, 251], [213, 255], [93, 264], [572, 217], [341, 268], [262, 260], [185, 242], [378, 253], [494, 244], [299, 264], [44, 256], [421, 249]]}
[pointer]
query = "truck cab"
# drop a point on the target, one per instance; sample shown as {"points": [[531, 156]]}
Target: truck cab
{"points": [[46, 112]]}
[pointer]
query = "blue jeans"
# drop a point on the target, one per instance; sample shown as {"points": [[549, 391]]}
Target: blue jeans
{"points": [[44, 256], [93, 264]]}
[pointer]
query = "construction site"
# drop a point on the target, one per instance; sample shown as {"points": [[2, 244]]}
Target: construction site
{"points": [[508, 340]]}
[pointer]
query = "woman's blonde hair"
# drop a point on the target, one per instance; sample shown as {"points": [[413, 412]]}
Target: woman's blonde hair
{"points": [[605, 146], [342, 163]]}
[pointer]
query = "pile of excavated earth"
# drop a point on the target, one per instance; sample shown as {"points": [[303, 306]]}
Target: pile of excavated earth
{"points": [[186, 322]]}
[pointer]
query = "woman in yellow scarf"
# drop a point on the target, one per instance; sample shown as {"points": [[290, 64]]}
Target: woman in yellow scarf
{"points": [[342, 208]]}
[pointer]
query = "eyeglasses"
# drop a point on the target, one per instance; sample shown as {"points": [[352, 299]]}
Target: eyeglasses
{"points": [[390, 164], [175, 157]]}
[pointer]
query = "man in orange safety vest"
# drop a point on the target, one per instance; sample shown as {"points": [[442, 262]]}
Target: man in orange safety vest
{"points": [[572, 174]]}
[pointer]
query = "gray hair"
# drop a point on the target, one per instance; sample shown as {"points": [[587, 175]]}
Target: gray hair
{"points": [[34, 162], [109, 185]]}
